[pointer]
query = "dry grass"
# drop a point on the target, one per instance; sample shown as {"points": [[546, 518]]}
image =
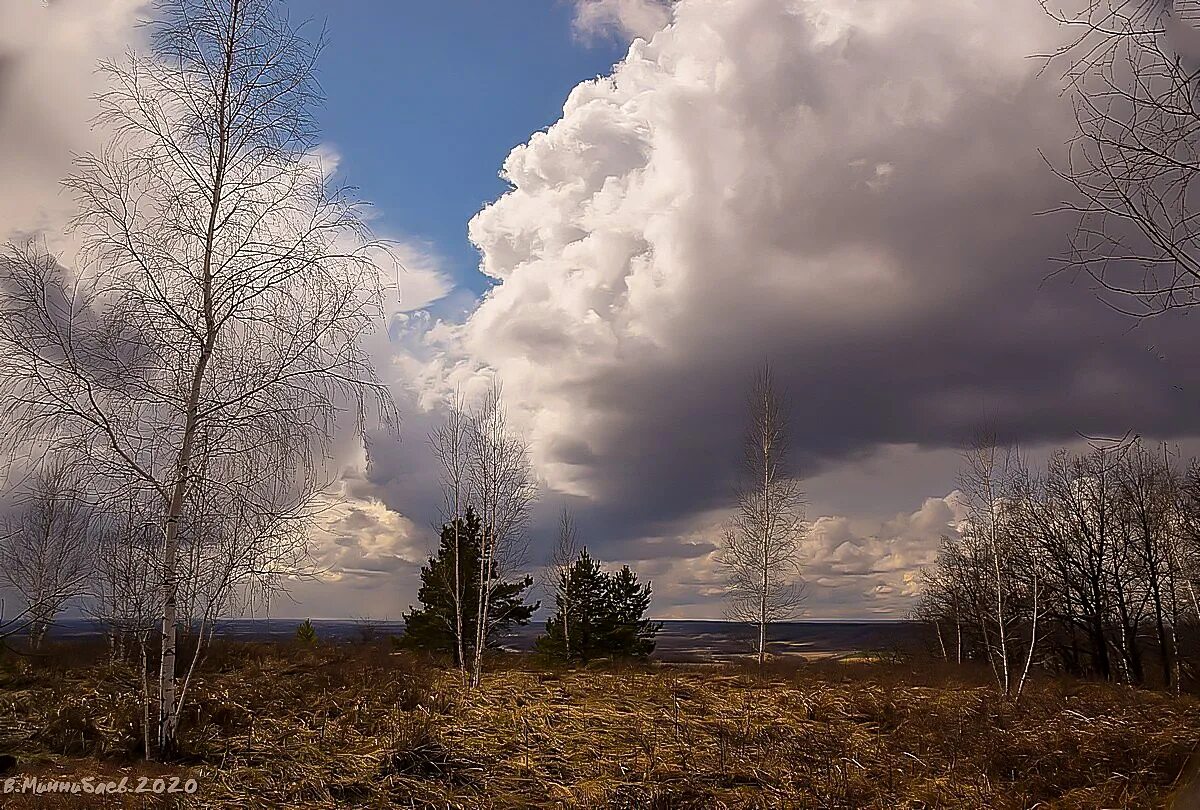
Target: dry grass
{"points": [[355, 726]]}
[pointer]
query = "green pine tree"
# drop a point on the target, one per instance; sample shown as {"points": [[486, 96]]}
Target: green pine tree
{"points": [[628, 633], [431, 627], [606, 614], [306, 633]]}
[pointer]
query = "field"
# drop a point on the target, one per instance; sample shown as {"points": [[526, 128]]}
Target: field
{"points": [[359, 725]]}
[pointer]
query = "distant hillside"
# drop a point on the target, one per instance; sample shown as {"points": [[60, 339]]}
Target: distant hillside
{"points": [[678, 641]]}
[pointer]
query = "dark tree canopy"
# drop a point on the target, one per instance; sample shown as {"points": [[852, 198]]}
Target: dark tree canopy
{"points": [[431, 627], [605, 613]]}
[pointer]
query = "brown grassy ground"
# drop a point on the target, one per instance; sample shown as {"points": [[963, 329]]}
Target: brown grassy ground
{"points": [[357, 726]]}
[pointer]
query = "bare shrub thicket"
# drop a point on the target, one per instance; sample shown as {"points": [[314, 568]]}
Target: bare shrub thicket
{"points": [[1088, 567], [124, 598], [46, 549]]}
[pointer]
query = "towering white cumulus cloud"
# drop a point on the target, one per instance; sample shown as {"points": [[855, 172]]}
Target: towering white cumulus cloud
{"points": [[762, 177], [846, 188], [630, 18]]}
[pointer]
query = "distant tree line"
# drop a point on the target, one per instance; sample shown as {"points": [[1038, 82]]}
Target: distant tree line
{"points": [[1088, 566]]}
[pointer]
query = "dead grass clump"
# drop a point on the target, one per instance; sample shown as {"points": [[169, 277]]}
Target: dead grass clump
{"points": [[417, 751], [94, 712], [72, 732]]}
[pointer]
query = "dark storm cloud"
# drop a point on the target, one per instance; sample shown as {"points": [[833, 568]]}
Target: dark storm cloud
{"points": [[848, 190], [855, 201]]}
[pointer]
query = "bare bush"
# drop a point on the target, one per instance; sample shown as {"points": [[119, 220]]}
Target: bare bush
{"points": [[46, 548]]}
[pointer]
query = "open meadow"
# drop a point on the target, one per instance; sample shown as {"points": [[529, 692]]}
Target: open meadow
{"points": [[362, 725]]}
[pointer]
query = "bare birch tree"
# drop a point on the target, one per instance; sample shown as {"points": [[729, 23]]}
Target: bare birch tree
{"points": [[504, 490], [995, 490], [46, 546], [215, 320], [760, 554], [562, 562], [451, 444]]}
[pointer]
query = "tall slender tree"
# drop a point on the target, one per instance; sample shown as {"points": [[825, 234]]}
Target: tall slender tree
{"points": [[451, 444], [562, 562], [503, 491], [211, 333], [760, 554], [987, 482]]}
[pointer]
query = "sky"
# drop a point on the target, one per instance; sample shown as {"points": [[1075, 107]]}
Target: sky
{"points": [[621, 208], [459, 90]]}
